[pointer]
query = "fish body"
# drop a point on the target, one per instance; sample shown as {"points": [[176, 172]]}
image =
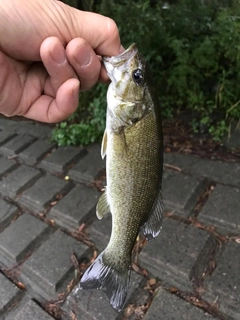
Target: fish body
{"points": [[133, 145]]}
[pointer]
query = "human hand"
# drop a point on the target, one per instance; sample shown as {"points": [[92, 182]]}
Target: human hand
{"points": [[47, 51]]}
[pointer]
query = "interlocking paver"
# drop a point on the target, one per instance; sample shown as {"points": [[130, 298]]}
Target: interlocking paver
{"points": [[172, 255], [7, 212], [222, 208], [224, 283], [5, 137], [42, 192], [18, 180], [87, 168], [28, 310], [20, 238], [168, 306], [183, 256], [16, 145], [36, 151], [181, 192], [60, 159], [93, 304], [9, 294], [219, 171], [50, 269], [6, 165], [76, 207]]}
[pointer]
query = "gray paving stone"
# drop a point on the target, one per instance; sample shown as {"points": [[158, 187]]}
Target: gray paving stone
{"points": [[76, 207], [60, 159], [173, 254], [28, 310], [32, 128], [39, 196], [100, 231], [181, 192], [222, 172], [95, 305], [5, 137], [50, 269], [7, 212], [16, 145], [170, 307], [224, 284], [6, 165], [223, 208], [9, 294], [18, 180], [182, 161], [36, 151], [87, 169], [22, 236]]}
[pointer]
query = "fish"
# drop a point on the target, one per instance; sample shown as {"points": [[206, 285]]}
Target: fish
{"points": [[133, 146]]}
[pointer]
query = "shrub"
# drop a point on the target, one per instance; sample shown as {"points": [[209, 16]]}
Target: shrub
{"points": [[193, 48]]}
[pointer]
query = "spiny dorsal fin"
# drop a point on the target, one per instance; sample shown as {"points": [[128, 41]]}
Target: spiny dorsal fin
{"points": [[102, 206], [104, 145], [153, 225]]}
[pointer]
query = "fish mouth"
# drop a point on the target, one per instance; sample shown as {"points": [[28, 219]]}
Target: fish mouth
{"points": [[120, 59], [118, 62]]}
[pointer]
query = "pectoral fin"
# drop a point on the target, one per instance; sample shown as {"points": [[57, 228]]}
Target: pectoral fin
{"points": [[153, 225], [104, 145], [102, 206]]}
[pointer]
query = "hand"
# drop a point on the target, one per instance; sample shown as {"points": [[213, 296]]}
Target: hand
{"points": [[48, 51]]}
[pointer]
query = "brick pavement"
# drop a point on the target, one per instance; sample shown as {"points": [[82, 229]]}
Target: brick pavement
{"points": [[49, 233]]}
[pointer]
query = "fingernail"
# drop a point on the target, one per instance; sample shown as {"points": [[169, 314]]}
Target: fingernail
{"points": [[121, 49], [58, 55], [84, 57]]}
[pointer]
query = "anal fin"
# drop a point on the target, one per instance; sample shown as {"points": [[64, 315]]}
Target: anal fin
{"points": [[153, 225]]}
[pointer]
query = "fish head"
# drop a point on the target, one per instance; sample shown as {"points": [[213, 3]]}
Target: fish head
{"points": [[128, 73]]}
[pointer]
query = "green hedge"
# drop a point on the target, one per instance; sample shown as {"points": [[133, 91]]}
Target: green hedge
{"points": [[193, 48]]}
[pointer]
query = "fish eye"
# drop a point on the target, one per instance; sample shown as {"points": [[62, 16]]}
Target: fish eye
{"points": [[138, 77]]}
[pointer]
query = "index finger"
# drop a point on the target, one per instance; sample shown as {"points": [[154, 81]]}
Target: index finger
{"points": [[99, 31]]}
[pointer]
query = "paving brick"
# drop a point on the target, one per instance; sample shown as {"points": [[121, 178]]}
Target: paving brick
{"points": [[5, 137], [36, 151], [222, 208], [18, 180], [87, 169], [6, 165], [224, 284], [39, 196], [100, 231], [16, 145], [60, 159], [9, 294], [173, 254], [7, 212], [14, 246], [182, 161], [223, 172], [28, 310], [32, 128], [170, 307], [50, 269], [76, 207], [95, 305], [181, 192]]}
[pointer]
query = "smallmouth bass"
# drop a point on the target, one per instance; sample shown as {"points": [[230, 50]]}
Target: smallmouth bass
{"points": [[133, 144]]}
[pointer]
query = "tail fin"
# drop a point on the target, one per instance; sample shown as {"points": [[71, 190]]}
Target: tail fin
{"points": [[114, 283]]}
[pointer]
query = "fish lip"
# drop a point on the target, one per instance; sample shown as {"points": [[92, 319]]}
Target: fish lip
{"points": [[122, 57]]}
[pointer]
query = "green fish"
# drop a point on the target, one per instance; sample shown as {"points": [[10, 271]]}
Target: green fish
{"points": [[133, 144]]}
